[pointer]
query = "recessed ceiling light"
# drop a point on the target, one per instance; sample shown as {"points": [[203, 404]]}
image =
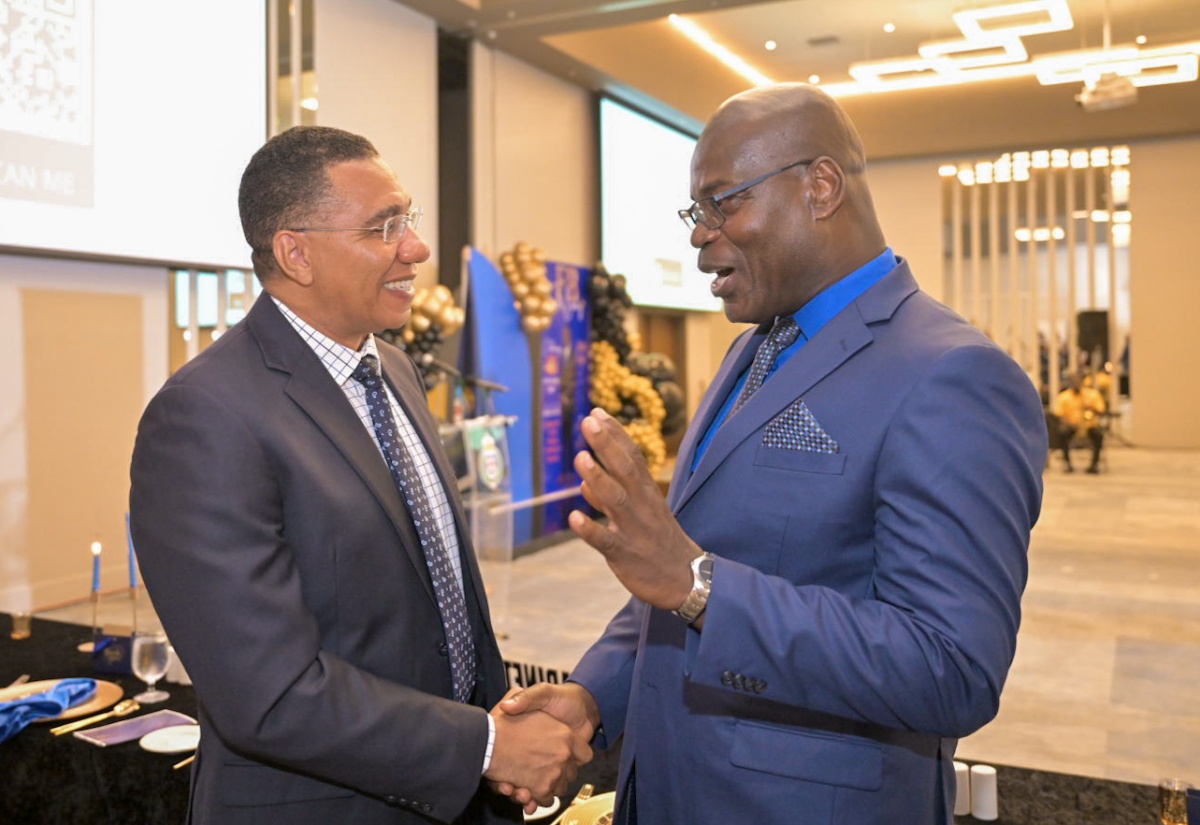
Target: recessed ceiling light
{"points": [[889, 27], [770, 45], [814, 79], [1140, 40]]}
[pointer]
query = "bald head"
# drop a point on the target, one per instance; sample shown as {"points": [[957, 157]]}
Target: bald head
{"points": [[789, 119], [804, 221]]}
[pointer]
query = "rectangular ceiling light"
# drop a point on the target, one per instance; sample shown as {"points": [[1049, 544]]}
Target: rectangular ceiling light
{"points": [[1015, 19]]}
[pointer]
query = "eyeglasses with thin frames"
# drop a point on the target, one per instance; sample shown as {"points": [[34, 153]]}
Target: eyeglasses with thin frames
{"points": [[707, 212], [391, 231]]}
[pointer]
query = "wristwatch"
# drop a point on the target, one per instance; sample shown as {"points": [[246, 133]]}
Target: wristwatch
{"points": [[693, 606]]}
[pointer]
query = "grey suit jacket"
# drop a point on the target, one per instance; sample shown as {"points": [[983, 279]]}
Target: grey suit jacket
{"points": [[290, 579]]}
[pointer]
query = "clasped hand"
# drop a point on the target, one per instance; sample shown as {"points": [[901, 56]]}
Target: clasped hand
{"points": [[542, 736]]}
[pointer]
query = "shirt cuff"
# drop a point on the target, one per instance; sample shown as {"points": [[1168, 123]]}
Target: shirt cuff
{"points": [[487, 755]]}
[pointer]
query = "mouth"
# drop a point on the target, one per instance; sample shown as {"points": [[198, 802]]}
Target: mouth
{"points": [[406, 286], [722, 282]]}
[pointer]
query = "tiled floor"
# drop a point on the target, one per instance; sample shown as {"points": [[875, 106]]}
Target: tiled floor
{"points": [[1107, 677]]}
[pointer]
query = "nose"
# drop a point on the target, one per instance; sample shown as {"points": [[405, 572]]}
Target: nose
{"points": [[412, 248], [701, 235]]}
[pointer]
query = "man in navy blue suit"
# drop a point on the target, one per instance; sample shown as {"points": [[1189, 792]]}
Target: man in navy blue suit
{"points": [[830, 595]]}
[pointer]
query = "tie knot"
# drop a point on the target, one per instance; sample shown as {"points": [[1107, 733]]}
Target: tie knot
{"points": [[784, 332], [367, 370]]}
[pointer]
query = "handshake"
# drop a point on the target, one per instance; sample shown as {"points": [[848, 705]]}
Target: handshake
{"points": [[542, 736]]}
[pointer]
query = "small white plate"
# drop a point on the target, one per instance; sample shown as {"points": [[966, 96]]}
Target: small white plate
{"points": [[175, 739], [544, 811]]}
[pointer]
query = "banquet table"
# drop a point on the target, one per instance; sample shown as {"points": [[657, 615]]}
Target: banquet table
{"points": [[61, 779]]}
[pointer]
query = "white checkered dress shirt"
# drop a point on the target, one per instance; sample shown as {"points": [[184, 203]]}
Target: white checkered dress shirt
{"points": [[341, 361]]}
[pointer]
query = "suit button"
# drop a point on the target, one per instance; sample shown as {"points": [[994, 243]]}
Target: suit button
{"points": [[442, 649], [739, 681], [760, 686], [391, 800], [426, 807], [727, 677]]}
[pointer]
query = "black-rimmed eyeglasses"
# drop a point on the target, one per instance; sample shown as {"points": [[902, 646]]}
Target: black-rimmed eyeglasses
{"points": [[391, 231], [707, 212]]}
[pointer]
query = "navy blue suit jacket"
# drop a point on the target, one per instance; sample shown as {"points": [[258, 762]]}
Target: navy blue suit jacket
{"points": [[870, 509]]}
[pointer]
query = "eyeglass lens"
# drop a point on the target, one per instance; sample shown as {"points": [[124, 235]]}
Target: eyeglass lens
{"points": [[395, 226]]}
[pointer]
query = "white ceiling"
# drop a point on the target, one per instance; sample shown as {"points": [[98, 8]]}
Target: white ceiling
{"points": [[627, 48]]}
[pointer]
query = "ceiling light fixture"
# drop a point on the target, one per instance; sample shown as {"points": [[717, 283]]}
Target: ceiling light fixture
{"points": [[1015, 19], [992, 49], [704, 40]]}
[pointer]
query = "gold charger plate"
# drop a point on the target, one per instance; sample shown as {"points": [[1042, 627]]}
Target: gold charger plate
{"points": [[106, 695], [596, 811]]}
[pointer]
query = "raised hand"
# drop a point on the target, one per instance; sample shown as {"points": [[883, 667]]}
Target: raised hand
{"points": [[643, 543]]}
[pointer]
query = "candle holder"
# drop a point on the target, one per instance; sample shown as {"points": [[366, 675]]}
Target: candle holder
{"points": [[88, 647], [133, 603]]}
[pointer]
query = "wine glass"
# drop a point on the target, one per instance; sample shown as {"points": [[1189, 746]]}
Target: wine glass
{"points": [[151, 653]]}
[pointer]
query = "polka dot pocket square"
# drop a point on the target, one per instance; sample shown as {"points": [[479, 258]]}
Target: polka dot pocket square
{"points": [[796, 428]]}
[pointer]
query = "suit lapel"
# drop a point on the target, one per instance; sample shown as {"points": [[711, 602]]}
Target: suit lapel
{"points": [[313, 390], [737, 360], [844, 335]]}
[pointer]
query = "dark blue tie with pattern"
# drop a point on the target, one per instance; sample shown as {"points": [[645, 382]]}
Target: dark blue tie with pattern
{"points": [[446, 588], [782, 335]]}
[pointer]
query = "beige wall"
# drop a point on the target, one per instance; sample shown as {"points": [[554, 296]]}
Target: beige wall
{"points": [[536, 153], [376, 65], [907, 196], [103, 327], [1165, 292]]}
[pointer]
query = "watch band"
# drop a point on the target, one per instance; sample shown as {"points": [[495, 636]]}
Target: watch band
{"points": [[693, 606]]}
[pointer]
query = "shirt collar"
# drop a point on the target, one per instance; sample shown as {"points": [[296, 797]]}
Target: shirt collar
{"points": [[339, 359], [837, 296]]}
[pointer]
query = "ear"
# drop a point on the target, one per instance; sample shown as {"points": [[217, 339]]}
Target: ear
{"points": [[292, 256], [826, 188]]}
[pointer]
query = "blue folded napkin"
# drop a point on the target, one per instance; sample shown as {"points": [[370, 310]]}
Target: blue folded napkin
{"points": [[18, 713]]}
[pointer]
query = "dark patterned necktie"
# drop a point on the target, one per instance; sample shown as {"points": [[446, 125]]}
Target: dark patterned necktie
{"points": [[446, 588], [782, 335]]}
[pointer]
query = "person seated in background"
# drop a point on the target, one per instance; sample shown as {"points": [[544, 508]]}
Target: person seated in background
{"points": [[1079, 410]]}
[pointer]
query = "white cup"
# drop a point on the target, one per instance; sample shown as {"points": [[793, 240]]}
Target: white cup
{"points": [[984, 803], [962, 789]]}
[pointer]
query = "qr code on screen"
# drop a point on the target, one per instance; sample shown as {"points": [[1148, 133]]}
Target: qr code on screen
{"points": [[46, 69]]}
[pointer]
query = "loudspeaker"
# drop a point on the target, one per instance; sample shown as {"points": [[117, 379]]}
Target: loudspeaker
{"points": [[1092, 326]]}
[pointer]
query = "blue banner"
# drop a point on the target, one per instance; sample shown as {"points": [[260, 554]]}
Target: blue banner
{"points": [[565, 376]]}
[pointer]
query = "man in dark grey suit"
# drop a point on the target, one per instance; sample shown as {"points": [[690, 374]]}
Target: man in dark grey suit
{"points": [[341, 648]]}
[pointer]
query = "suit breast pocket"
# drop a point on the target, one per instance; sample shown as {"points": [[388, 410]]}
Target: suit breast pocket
{"points": [[800, 461]]}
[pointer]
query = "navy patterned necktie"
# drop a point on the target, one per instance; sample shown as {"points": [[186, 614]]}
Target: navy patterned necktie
{"points": [[446, 588], [782, 335]]}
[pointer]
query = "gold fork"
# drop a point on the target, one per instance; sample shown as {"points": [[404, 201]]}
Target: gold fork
{"points": [[122, 708]]}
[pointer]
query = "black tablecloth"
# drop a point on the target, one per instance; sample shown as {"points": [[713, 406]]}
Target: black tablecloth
{"points": [[61, 779]]}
